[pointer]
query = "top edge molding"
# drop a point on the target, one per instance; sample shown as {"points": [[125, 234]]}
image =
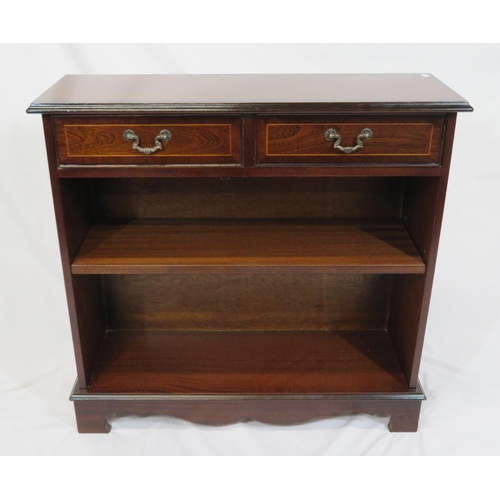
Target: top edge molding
{"points": [[301, 93]]}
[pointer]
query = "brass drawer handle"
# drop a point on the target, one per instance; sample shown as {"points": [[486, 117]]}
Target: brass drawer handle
{"points": [[163, 136], [332, 135]]}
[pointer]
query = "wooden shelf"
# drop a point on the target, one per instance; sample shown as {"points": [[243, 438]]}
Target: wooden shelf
{"points": [[247, 362], [198, 247]]}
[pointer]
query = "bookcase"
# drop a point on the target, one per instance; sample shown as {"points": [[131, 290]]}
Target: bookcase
{"points": [[248, 246]]}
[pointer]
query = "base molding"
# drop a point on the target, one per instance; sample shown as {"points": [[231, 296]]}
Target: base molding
{"points": [[92, 410]]}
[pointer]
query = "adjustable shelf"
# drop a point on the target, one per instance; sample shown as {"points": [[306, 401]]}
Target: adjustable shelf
{"points": [[247, 246]]}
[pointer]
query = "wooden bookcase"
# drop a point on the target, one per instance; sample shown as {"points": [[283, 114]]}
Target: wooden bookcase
{"points": [[248, 246]]}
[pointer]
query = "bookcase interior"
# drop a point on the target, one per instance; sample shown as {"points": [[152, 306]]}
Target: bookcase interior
{"points": [[230, 311]]}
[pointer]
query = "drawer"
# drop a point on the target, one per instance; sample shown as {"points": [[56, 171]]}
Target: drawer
{"points": [[350, 139], [156, 140]]}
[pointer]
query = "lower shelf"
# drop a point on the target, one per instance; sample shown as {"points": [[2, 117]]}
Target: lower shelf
{"points": [[247, 362]]}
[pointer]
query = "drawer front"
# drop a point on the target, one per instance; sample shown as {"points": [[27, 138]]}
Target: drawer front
{"points": [[149, 140], [350, 140]]}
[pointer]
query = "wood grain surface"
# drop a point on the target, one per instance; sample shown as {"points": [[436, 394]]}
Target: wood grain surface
{"points": [[194, 140], [249, 93], [247, 247], [248, 269], [246, 301], [92, 410], [284, 362], [396, 139], [370, 198]]}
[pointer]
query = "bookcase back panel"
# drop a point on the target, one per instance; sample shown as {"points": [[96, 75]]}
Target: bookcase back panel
{"points": [[249, 198], [246, 302]]}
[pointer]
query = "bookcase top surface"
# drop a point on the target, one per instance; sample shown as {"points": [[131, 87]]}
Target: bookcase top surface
{"points": [[249, 93]]}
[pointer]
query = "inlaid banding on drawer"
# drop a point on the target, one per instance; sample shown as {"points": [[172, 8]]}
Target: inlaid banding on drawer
{"points": [[187, 141], [407, 140]]}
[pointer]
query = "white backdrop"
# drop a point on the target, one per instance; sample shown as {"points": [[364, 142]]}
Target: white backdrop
{"points": [[460, 371]]}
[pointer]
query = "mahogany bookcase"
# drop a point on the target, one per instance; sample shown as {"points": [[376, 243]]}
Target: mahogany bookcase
{"points": [[248, 246]]}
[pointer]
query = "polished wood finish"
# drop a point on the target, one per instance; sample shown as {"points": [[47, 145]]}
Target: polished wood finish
{"points": [[256, 198], [423, 216], [185, 247], [396, 139], [250, 362], [317, 93], [287, 170], [279, 280], [194, 140], [74, 217], [92, 411], [246, 301], [418, 215]]}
